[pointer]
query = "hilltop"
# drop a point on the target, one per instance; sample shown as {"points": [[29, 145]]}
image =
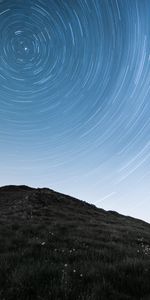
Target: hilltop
{"points": [[56, 247]]}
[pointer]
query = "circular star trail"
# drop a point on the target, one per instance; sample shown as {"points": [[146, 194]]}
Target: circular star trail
{"points": [[74, 96]]}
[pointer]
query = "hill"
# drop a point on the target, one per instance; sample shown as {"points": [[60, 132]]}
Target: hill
{"points": [[55, 247]]}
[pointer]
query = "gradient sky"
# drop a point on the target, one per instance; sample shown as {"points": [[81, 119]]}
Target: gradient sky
{"points": [[75, 99]]}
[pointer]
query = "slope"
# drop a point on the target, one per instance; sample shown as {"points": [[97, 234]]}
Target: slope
{"points": [[53, 246]]}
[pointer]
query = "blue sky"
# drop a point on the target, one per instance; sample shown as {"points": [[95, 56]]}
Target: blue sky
{"points": [[74, 99]]}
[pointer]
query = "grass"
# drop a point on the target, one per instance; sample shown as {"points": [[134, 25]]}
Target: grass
{"points": [[53, 246]]}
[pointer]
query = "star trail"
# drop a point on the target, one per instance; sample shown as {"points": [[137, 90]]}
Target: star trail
{"points": [[75, 99]]}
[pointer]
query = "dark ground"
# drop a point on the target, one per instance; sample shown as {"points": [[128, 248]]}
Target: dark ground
{"points": [[53, 247]]}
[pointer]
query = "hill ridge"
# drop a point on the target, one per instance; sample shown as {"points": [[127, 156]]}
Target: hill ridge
{"points": [[56, 247]]}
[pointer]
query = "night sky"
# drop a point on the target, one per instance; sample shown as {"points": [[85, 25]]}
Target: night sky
{"points": [[75, 99]]}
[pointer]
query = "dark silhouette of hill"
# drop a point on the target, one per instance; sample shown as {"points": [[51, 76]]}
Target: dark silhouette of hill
{"points": [[53, 246]]}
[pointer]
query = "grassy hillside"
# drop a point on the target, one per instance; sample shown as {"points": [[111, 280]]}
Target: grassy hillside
{"points": [[53, 247]]}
